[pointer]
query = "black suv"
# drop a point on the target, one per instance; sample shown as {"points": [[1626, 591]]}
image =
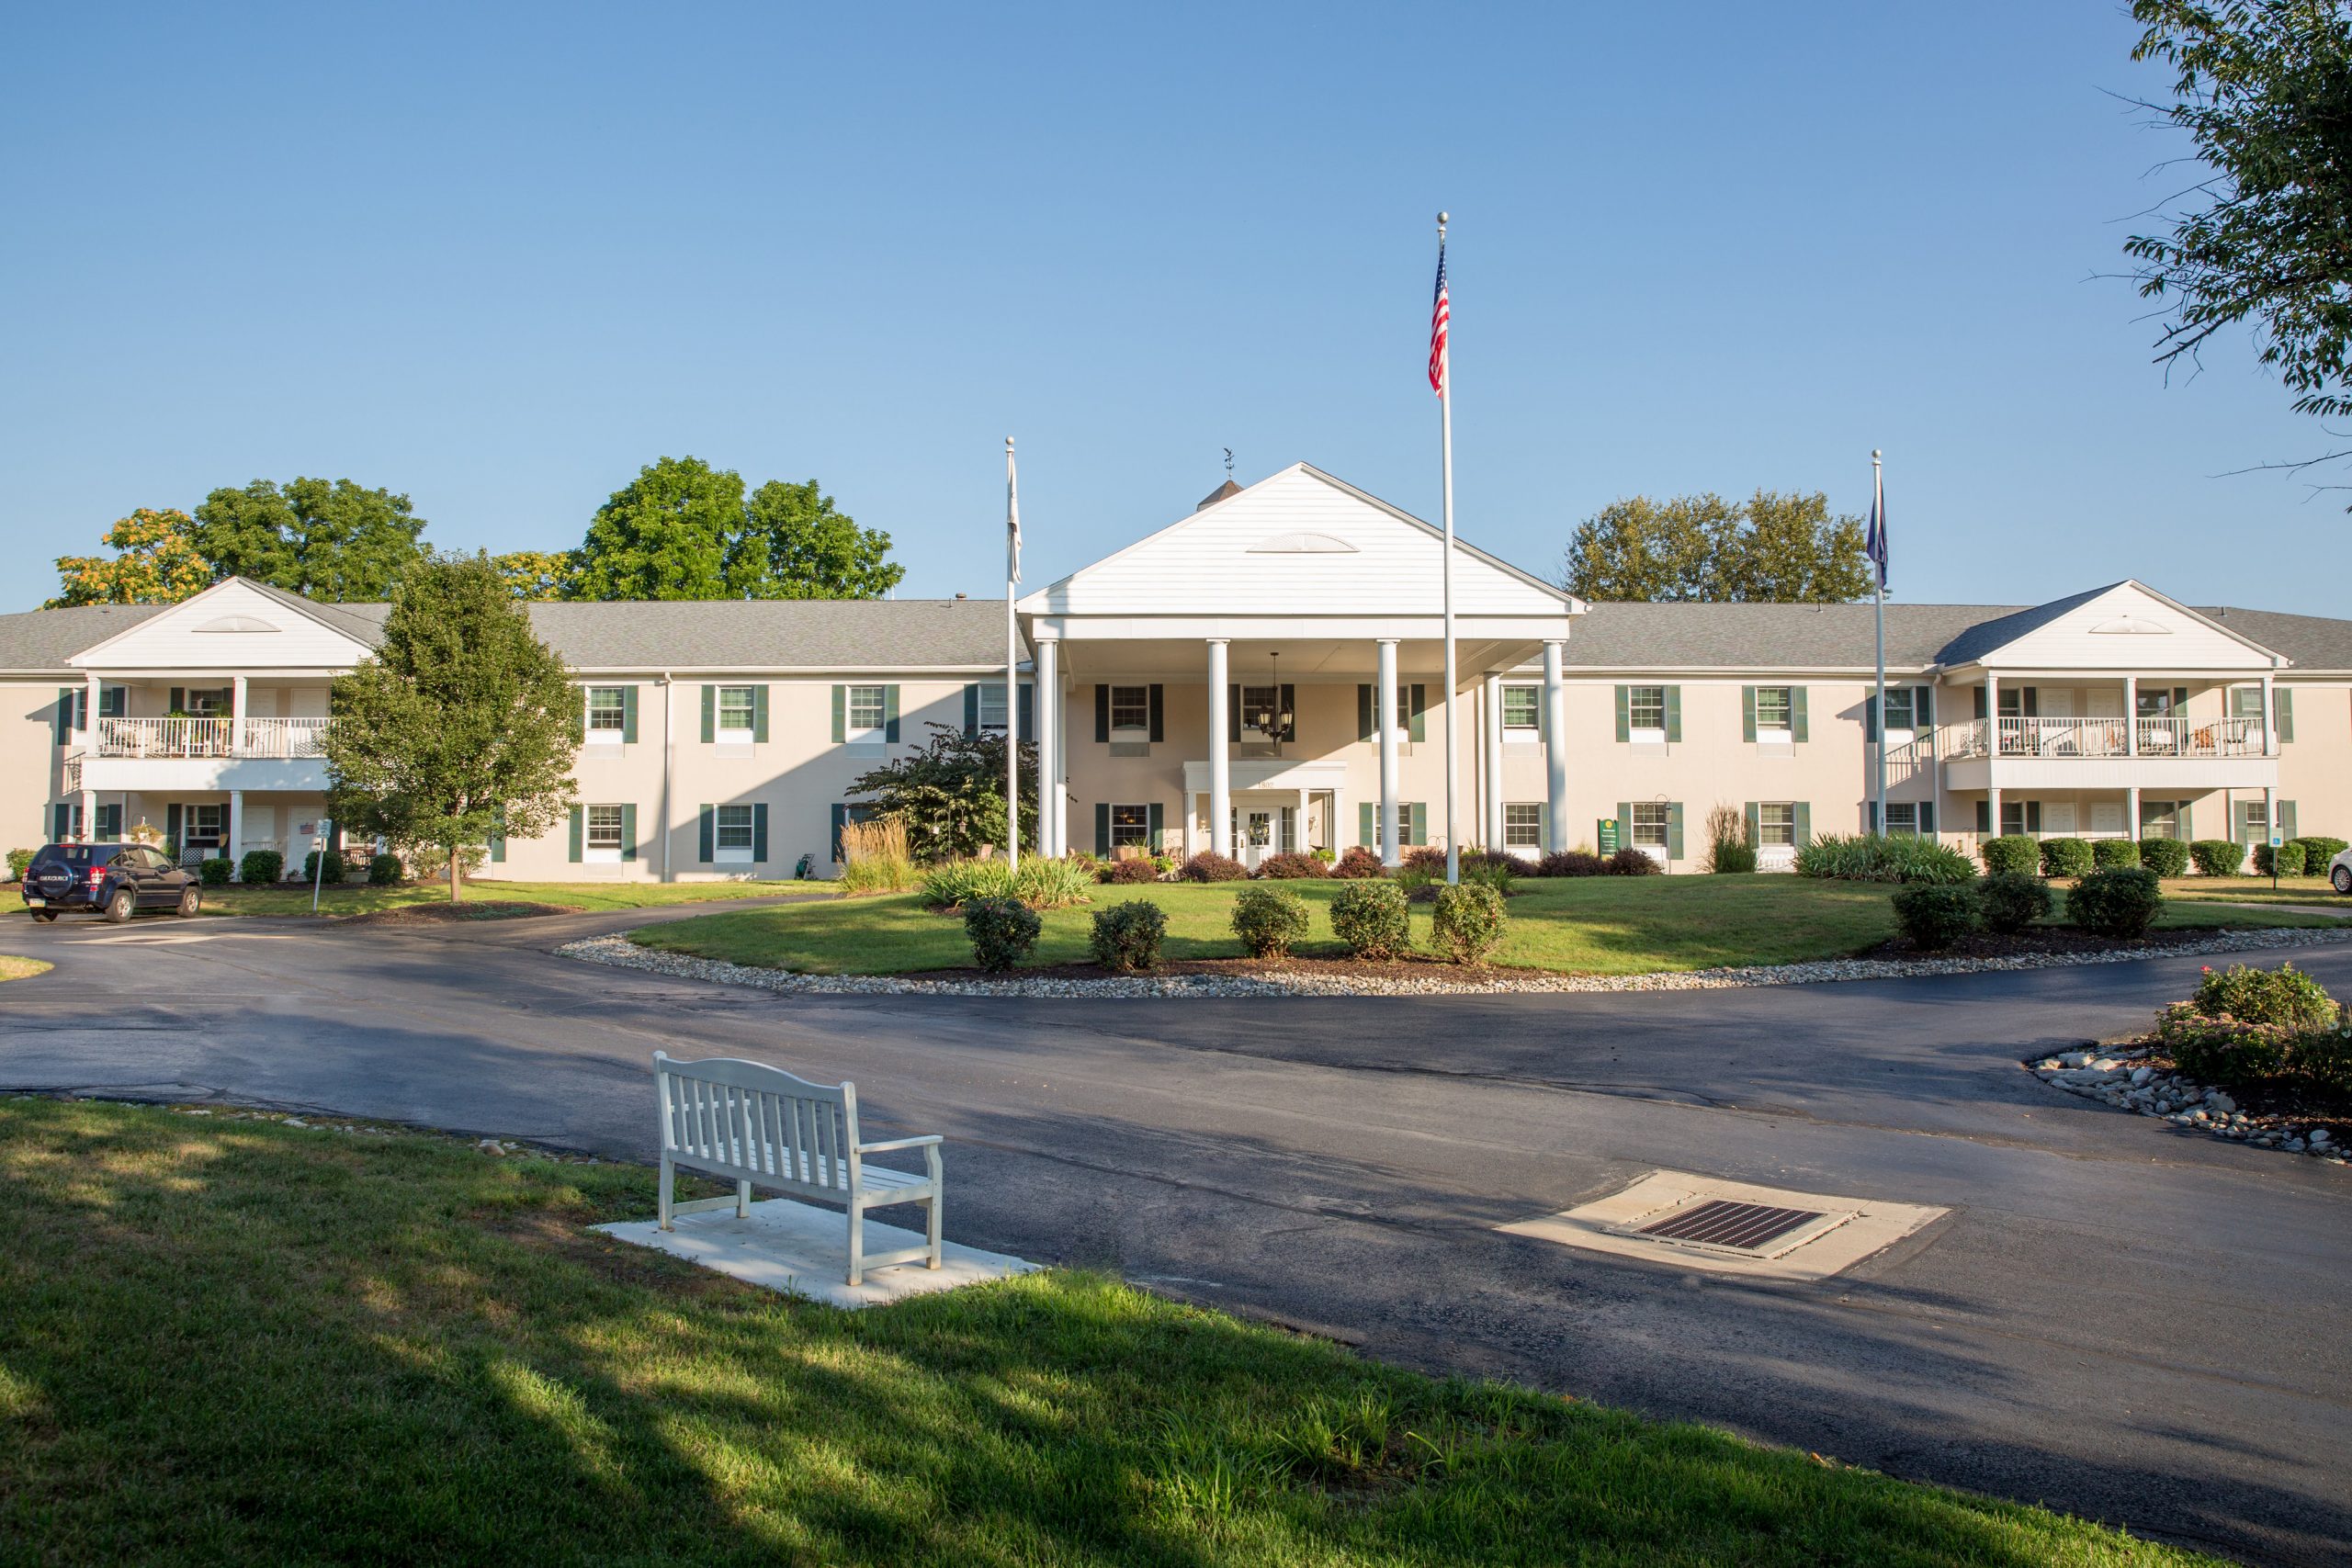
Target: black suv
{"points": [[115, 880]]}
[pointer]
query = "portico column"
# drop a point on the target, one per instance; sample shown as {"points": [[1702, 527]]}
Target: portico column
{"points": [[1555, 747], [2131, 730], [1385, 694], [1492, 697], [1048, 687], [1298, 833], [1192, 816], [2131, 812], [236, 716], [1220, 774], [236, 828], [1992, 811]]}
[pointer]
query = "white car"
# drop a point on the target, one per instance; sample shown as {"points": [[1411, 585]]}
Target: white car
{"points": [[2339, 873]]}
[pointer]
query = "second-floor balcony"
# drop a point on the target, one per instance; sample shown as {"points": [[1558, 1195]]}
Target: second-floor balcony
{"points": [[2198, 738], [276, 738]]}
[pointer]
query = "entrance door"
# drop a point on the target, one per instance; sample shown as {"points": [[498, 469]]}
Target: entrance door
{"points": [[1257, 836]]}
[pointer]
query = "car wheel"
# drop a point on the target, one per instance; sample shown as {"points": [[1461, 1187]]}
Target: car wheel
{"points": [[119, 907], [2342, 878], [189, 900]]}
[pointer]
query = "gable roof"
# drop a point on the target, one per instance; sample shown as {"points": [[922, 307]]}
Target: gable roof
{"points": [[32, 642]]}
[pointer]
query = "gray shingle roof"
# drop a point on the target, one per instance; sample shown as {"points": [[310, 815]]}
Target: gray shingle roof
{"points": [[45, 639], [2314, 642], [1617, 636]]}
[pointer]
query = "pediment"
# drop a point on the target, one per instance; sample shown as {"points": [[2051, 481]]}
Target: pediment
{"points": [[231, 623]]}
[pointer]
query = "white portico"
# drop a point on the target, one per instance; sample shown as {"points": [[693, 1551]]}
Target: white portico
{"points": [[1268, 673]]}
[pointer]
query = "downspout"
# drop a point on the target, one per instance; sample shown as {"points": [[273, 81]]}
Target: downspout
{"points": [[669, 762]]}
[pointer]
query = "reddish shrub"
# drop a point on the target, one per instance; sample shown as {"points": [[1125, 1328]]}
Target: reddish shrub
{"points": [[1359, 861], [1571, 862], [1142, 868], [1425, 857], [1290, 867], [1631, 861], [1210, 866]]}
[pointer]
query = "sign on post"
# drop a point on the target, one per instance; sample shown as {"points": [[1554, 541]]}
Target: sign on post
{"points": [[319, 860], [1608, 835]]}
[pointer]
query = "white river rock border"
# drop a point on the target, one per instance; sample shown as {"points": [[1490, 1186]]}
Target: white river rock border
{"points": [[2120, 1076]]}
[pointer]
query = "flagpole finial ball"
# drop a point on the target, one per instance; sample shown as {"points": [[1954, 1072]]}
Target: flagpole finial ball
{"points": [[1441, 218], [1874, 452]]}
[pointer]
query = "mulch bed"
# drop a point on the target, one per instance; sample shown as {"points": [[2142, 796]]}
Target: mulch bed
{"points": [[2048, 939], [443, 914]]}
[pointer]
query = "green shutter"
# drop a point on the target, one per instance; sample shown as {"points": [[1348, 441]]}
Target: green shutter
{"points": [[629, 832], [1420, 707], [1673, 714], [1029, 712], [1923, 708], [628, 716], [172, 817], [1366, 826], [760, 714], [578, 827], [1416, 823], [1233, 712], [759, 832], [2286, 820], [710, 716], [1674, 828], [177, 701], [840, 732], [1624, 715], [109, 827], [1869, 719], [1926, 820], [1796, 713], [1985, 815], [1367, 721], [971, 707], [2188, 833], [1101, 714], [707, 817], [2285, 701], [1625, 823], [841, 813], [1755, 823], [1747, 715], [890, 713], [1803, 812], [1153, 822], [1157, 693], [1102, 827], [65, 714]]}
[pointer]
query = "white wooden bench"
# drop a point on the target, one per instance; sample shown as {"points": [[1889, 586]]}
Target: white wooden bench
{"points": [[758, 1125]]}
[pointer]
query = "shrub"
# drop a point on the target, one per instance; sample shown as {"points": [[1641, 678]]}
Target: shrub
{"points": [[1934, 915], [1497, 871], [1048, 883], [1727, 859], [1126, 936], [1423, 857], [1210, 866], [1268, 921], [1631, 861], [1469, 921], [2068, 857], [2013, 854], [2115, 855], [1728, 850], [1874, 857], [1570, 863], [19, 862], [1127, 873], [2119, 904], [2013, 900], [383, 871], [2318, 851], [261, 865], [1371, 919], [1002, 931], [2247, 1026], [331, 872], [2289, 856], [1322, 853], [430, 862], [955, 883], [2165, 857], [875, 857], [2217, 857], [214, 870], [2282, 996], [1290, 867], [1358, 862]]}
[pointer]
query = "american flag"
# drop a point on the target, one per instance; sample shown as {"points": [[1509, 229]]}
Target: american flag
{"points": [[1874, 541], [1440, 317]]}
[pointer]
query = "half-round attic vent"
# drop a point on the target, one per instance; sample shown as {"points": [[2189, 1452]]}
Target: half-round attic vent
{"points": [[1302, 543], [237, 624], [2132, 626]]}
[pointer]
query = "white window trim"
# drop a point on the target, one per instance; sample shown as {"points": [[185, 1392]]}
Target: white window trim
{"points": [[1535, 725], [991, 689], [1535, 829], [1141, 826], [854, 734], [734, 734], [1634, 829], [594, 735], [591, 853], [1142, 725], [722, 853]]}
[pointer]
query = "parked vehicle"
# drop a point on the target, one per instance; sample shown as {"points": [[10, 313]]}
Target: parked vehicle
{"points": [[2339, 871], [113, 880]]}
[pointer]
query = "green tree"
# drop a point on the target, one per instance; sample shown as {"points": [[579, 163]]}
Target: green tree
{"points": [[461, 724], [537, 574], [335, 541], [795, 545], [950, 794], [2264, 89], [156, 562], [1701, 549], [673, 532]]}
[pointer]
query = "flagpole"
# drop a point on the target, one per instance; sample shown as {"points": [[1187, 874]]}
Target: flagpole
{"points": [[1445, 463], [1878, 515], [1012, 665]]}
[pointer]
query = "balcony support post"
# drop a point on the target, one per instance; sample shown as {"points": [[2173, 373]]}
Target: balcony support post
{"points": [[237, 823], [1993, 728], [2131, 735], [1992, 811], [90, 713], [2132, 811], [2269, 729]]}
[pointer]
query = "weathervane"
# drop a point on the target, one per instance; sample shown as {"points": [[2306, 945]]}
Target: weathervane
{"points": [[1229, 462]]}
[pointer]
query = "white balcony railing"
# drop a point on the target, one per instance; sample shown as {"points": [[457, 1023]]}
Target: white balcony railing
{"points": [[2062, 738], [72, 773], [273, 738]]}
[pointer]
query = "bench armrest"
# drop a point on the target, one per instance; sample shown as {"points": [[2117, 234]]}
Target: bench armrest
{"points": [[889, 1145]]}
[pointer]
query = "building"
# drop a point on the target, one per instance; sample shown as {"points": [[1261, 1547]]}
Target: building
{"points": [[1263, 674]]}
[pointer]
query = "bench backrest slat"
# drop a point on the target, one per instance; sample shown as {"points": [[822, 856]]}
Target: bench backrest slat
{"points": [[743, 1119]]}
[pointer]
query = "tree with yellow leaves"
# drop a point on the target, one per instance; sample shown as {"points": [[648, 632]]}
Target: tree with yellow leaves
{"points": [[155, 562]]}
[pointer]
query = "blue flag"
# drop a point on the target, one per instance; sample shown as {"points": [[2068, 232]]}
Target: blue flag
{"points": [[1874, 542]]}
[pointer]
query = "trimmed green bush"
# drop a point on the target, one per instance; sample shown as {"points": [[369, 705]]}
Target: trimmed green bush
{"points": [[264, 866], [383, 871], [2248, 1026], [2318, 851], [333, 871], [2117, 904], [2284, 996], [1371, 919], [2217, 857], [1469, 921], [1934, 915], [2289, 856], [2115, 855], [2015, 854], [2165, 857], [2068, 857], [1210, 866], [2012, 901], [1126, 936], [1268, 921], [1002, 931], [214, 870]]}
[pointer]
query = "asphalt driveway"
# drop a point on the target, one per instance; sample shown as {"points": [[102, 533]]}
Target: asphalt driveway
{"points": [[2126, 1321]]}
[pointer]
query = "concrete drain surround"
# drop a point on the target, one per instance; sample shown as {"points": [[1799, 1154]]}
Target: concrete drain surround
{"points": [[1732, 1227]]}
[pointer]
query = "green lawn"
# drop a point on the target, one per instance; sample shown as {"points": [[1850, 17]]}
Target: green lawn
{"points": [[1594, 925], [236, 1342], [2257, 890], [357, 898]]}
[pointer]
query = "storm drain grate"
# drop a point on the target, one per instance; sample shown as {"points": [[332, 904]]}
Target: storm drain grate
{"points": [[1744, 1227]]}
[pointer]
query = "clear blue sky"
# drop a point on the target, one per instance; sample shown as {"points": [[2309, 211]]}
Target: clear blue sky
{"points": [[499, 258]]}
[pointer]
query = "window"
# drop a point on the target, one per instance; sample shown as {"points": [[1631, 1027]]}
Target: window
{"points": [[2257, 821], [992, 710], [1772, 711], [204, 824], [1650, 816], [736, 706], [1522, 826], [2246, 701], [1261, 712], [867, 712], [1131, 825], [604, 829], [733, 834], [207, 703], [1523, 707], [2160, 818], [607, 712], [1902, 815], [2160, 702], [1898, 713], [1776, 825], [2020, 816], [1646, 712], [1131, 707]]}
